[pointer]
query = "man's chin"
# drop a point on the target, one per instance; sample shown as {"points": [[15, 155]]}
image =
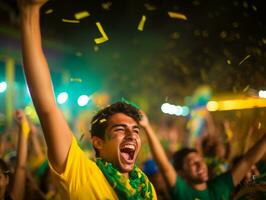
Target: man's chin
{"points": [[126, 168], [204, 179]]}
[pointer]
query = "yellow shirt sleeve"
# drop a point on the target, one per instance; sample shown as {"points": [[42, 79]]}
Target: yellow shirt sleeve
{"points": [[82, 179]]}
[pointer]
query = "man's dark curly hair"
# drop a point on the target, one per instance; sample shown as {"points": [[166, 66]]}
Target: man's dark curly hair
{"points": [[100, 121], [179, 157]]}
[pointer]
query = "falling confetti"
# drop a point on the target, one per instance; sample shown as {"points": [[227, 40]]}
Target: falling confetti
{"points": [[49, 11], [104, 37], [81, 15], [259, 125], [107, 5], [254, 8], [228, 62], [149, 7], [141, 23], [81, 137], [70, 21], [177, 15], [246, 88], [130, 103], [247, 57], [175, 35], [76, 80], [78, 54], [223, 34], [96, 48], [94, 121], [103, 120]]}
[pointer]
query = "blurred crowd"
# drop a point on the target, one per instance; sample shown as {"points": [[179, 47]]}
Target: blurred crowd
{"points": [[25, 172]]}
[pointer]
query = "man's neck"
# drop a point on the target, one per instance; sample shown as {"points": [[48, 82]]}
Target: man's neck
{"points": [[199, 186], [125, 174]]}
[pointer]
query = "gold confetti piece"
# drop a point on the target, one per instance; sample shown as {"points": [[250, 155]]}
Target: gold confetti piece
{"points": [[177, 15], [175, 35], [81, 137], [141, 23], [100, 40], [107, 5], [78, 54], [94, 121], [259, 125], [246, 88], [70, 21], [76, 80], [103, 120], [96, 48], [228, 62], [104, 37], [49, 11], [247, 57], [81, 15], [254, 8], [149, 7]]}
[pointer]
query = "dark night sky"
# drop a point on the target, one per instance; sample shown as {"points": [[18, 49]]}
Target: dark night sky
{"points": [[170, 58]]}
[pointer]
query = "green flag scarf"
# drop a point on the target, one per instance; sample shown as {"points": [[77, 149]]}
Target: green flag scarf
{"points": [[137, 186]]}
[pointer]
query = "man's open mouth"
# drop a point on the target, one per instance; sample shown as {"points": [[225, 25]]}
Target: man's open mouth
{"points": [[127, 151]]}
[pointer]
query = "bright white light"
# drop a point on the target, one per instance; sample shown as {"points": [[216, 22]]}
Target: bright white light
{"points": [[83, 100], [175, 109], [212, 106], [3, 86], [185, 111], [62, 97], [178, 110], [165, 107], [172, 109], [262, 94]]}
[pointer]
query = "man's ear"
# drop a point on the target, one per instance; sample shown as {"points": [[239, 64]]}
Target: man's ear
{"points": [[97, 142]]}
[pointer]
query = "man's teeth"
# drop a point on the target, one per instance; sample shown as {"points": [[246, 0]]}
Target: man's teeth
{"points": [[200, 172], [129, 146]]}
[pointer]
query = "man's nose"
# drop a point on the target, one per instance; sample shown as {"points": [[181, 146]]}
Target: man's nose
{"points": [[200, 164], [129, 133]]}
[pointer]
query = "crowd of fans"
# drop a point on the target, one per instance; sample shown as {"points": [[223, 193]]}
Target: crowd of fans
{"points": [[25, 172], [57, 166]]}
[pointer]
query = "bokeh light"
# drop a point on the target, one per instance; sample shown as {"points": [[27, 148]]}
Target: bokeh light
{"points": [[83, 100], [3, 86], [62, 97]]}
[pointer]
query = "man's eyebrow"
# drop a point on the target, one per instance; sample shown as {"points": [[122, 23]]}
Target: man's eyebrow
{"points": [[136, 126], [124, 125]]}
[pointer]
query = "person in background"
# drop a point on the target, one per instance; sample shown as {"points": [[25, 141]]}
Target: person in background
{"points": [[17, 190], [151, 169], [188, 177]]}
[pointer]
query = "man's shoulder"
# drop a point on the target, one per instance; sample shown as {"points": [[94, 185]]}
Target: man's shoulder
{"points": [[222, 183], [226, 176]]}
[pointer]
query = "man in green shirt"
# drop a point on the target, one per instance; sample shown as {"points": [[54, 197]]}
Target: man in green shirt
{"points": [[188, 177], [193, 182]]}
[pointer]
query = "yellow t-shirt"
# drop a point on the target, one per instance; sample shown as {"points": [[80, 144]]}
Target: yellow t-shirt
{"points": [[82, 179]]}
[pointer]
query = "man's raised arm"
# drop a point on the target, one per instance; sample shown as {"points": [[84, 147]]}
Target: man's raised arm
{"points": [[158, 152], [249, 159], [57, 133]]}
